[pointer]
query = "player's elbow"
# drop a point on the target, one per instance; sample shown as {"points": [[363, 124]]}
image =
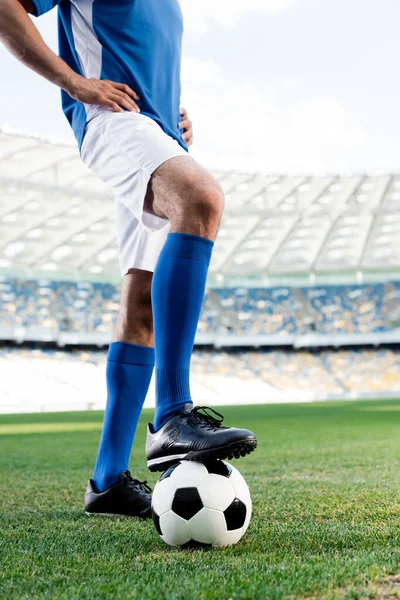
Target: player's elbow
{"points": [[12, 20]]}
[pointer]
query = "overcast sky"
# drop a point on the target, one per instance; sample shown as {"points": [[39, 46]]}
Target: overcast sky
{"points": [[271, 85]]}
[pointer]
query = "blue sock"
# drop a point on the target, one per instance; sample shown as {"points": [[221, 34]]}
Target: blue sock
{"points": [[128, 374], [178, 287]]}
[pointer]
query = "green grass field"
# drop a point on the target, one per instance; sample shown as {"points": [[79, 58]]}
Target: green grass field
{"points": [[325, 485]]}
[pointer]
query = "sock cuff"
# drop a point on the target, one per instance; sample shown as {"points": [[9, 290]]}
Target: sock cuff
{"points": [[130, 353], [185, 245]]}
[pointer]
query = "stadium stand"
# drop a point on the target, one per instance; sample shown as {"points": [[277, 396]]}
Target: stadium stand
{"points": [[93, 307], [45, 304]]}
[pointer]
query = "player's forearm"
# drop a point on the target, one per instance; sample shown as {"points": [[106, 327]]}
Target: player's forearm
{"points": [[20, 36]]}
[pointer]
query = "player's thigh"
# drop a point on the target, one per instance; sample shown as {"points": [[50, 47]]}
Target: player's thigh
{"points": [[181, 184]]}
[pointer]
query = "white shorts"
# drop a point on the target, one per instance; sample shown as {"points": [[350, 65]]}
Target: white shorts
{"points": [[124, 150]]}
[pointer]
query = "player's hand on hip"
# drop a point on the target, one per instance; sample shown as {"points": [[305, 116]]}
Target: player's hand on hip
{"points": [[187, 126], [115, 96]]}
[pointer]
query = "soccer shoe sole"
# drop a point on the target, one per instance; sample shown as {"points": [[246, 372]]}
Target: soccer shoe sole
{"points": [[234, 450]]}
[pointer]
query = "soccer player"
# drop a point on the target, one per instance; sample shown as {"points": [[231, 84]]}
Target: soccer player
{"points": [[119, 72]]}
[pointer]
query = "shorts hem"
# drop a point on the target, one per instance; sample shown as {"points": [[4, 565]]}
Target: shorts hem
{"points": [[149, 171]]}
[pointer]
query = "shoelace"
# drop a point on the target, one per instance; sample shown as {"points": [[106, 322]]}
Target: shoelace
{"points": [[207, 417], [142, 485]]}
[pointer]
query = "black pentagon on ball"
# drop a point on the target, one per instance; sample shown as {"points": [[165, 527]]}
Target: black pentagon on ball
{"points": [[156, 521], [187, 503], [218, 467], [235, 515]]}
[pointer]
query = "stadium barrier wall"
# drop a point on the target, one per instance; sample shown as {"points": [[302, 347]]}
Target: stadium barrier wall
{"points": [[61, 339]]}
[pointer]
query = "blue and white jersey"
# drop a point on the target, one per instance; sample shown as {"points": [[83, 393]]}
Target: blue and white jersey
{"points": [[136, 42]]}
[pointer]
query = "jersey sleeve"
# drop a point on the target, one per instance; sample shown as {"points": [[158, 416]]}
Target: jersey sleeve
{"points": [[43, 6]]}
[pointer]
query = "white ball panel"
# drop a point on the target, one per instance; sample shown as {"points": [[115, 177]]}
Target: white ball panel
{"points": [[216, 492], [188, 474], [229, 538], [208, 526], [240, 486], [163, 496], [175, 530]]}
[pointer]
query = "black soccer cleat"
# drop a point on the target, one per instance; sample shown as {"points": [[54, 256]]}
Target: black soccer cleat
{"points": [[127, 497], [195, 434]]}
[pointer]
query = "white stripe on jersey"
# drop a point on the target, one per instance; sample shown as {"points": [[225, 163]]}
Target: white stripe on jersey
{"points": [[87, 45]]}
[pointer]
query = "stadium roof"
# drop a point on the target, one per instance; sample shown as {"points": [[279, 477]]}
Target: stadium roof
{"points": [[57, 219]]}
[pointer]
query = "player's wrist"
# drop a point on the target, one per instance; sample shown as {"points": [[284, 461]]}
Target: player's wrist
{"points": [[71, 82]]}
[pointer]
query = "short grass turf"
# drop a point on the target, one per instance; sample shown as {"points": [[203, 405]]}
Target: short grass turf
{"points": [[325, 485]]}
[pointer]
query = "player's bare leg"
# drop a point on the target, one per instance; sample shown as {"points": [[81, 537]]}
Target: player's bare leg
{"points": [[135, 320]]}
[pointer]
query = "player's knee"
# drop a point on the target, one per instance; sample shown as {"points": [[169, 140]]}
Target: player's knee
{"points": [[212, 202], [207, 206]]}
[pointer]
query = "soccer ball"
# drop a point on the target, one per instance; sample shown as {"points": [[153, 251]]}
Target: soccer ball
{"points": [[197, 505]]}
